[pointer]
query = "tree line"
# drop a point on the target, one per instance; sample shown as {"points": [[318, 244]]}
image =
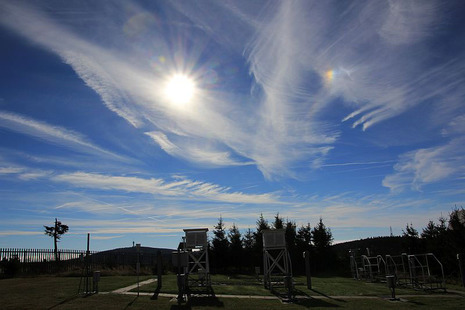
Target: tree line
{"points": [[236, 252], [444, 238]]}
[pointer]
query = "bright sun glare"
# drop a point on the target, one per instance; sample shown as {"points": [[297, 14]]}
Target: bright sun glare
{"points": [[180, 89]]}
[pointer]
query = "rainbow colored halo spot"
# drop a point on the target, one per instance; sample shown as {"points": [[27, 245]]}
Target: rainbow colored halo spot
{"points": [[329, 75]]}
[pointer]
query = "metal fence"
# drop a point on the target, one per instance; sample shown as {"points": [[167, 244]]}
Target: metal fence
{"points": [[38, 261], [15, 261], [38, 255]]}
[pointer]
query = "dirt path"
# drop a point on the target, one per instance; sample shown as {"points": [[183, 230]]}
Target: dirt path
{"points": [[126, 289]]}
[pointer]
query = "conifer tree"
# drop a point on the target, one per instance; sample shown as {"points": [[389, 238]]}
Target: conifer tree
{"points": [[322, 236], [220, 244], [304, 237], [235, 246], [278, 222]]}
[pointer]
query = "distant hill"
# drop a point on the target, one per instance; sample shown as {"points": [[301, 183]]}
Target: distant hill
{"points": [[376, 246], [128, 256], [143, 250]]}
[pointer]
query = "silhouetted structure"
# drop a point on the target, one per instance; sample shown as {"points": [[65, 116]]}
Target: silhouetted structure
{"points": [[192, 262], [277, 266]]}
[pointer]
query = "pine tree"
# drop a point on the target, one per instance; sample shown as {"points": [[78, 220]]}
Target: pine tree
{"points": [[323, 256], [236, 249], [248, 240], [321, 235], [434, 236], [235, 238], [220, 245], [410, 232], [291, 234], [456, 230], [278, 222], [411, 239], [304, 237], [249, 252], [262, 225]]}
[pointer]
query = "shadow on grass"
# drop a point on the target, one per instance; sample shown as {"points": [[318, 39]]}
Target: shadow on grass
{"points": [[64, 301], [199, 302], [329, 297], [307, 302], [311, 303], [298, 292], [131, 302], [416, 303]]}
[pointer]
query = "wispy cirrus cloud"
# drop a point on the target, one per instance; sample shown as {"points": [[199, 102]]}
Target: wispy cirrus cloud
{"points": [[302, 57], [199, 154], [53, 134], [11, 170], [374, 55], [368, 163], [19, 233], [221, 131], [418, 168], [181, 188]]}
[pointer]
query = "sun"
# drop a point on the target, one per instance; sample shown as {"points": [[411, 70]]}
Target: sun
{"points": [[180, 89]]}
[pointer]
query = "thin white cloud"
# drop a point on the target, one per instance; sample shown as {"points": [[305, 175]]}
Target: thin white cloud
{"points": [[221, 131], [19, 233], [95, 66], [106, 237], [11, 170], [429, 165], [33, 175], [52, 134], [302, 55], [184, 189], [200, 155], [24, 173], [455, 127], [409, 21], [358, 163]]}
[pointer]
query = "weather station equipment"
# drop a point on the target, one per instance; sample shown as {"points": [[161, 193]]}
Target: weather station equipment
{"points": [[277, 267], [192, 262]]}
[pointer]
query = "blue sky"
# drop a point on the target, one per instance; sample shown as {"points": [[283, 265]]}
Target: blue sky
{"points": [[352, 111]]}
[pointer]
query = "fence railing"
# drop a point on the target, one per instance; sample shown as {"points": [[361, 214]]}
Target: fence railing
{"points": [[39, 255], [39, 261]]}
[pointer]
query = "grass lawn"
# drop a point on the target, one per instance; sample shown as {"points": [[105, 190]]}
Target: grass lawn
{"points": [[47, 291], [237, 285], [61, 293]]}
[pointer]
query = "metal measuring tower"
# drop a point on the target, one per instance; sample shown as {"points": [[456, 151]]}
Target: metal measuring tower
{"points": [[193, 264], [277, 267]]}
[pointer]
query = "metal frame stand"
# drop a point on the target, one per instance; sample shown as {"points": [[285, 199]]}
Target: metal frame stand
{"points": [[86, 274], [374, 268], [397, 266], [277, 267], [426, 272], [193, 264]]}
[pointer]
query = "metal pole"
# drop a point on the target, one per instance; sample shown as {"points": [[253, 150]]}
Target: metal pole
{"points": [[87, 264], [138, 266], [179, 278], [159, 273], [461, 268], [307, 269]]}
